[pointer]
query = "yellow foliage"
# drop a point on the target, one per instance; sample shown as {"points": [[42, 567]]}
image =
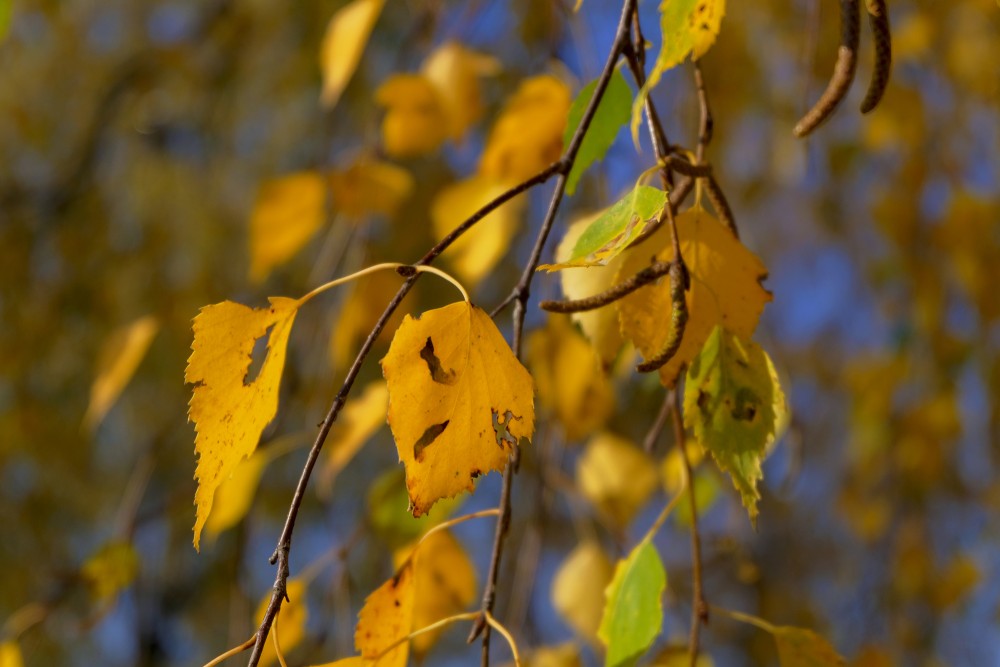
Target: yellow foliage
{"points": [[356, 424], [235, 495], [475, 253], [578, 588], [616, 476], [369, 186], [959, 578], [229, 409], [288, 212], [455, 71], [344, 42], [117, 362], [725, 290], [291, 624], [111, 570], [415, 121], [569, 377], [387, 616], [459, 401], [527, 136], [444, 581], [355, 661], [601, 325], [10, 654], [799, 647]]}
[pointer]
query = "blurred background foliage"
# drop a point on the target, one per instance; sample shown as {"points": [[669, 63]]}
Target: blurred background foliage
{"points": [[135, 139]]}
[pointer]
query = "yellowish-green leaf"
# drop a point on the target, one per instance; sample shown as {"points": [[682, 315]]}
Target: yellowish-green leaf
{"points": [[634, 613], [229, 408], [387, 502], [415, 122], [798, 647], [10, 652], [725, 290], [344, 42], [611, 114], [445, 583], [387, 616], [730, 400], [578, 588], [111, 570], [118, 360], [616, 476], [369, 186], [527, 137], [292, 624], [459, 401], [288, 212], [611, 233], [474, 254], [569, 377], [356, 424], [455, 72], [674, 472]]}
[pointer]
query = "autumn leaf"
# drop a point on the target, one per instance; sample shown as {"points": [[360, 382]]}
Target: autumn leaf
{"points": [[358, 421], [111, 570], [578, 588], [563, 655], [799, 647], [611, 114], [118, 360], [607, 236], [633, 613], [386, 617], [229, 408], [344, 42], [387, 501], [370, 187], [455, 72], [415, 121], [288, 212], [725, 290], [616, 476], [10, 652], [732, 403], [294, 614], [459, 401], [354, 661]]}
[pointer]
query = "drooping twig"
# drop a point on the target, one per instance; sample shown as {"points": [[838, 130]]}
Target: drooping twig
{"points": [[878, 21], [843, 71], [679, 281], [720, 204], [647, 275], [649, 442]]}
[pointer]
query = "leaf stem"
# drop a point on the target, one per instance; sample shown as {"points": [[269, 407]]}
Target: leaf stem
{"points": [[236, 650], [406, 270], [277, 642], [745, 618]]}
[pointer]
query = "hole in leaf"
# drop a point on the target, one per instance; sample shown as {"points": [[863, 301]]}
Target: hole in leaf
{"points": [[438, 372], [429, 436], [257, 357]]}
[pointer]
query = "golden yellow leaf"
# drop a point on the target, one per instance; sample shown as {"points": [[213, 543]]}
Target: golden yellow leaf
{"points": [[798, 647], [344, 42], [357, 422], [445, 584], [725, 290], [387, 616], [455, 71], [527, 137], [355, 661], [601, 325], [459, 401], [569, 377], [359, 313], [111, 570], [415, 122], [118, 360], [959, 578], [10, 654], [475, 253], [230, 409], [288, 212], [291, 624], [234, 496], [704, 24], [578, 588], [616, 476], [369, 186]]}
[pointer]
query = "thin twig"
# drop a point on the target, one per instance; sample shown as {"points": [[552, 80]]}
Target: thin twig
{"points": [[721, 205], [652, 272], [706, 123], [649, 442], [699, 608]]}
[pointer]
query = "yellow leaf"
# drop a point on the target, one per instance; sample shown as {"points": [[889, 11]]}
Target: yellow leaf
{"points": [[291, 624], [798, 647], [387, 616], [117, 362], [569, 377], [601, 325], [234, 496], [616, 476], [455, 71], [459, 401], [527, 137], [344, 42], [704, 24], [359, 313], [355, 661], [725, 290], [229, 409], [10, 654], [288, 212], [578, 588], [444, 581], [111, 570], [358, 421], [415, 122], [677, 656], [955, 582], [370, 186], [475, 253]]}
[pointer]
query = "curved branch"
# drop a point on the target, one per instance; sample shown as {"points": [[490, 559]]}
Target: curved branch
{"points": [[678, 319], [843, 71], [878, 21], [622, 289]]}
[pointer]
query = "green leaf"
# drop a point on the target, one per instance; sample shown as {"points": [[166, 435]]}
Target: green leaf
{"points": [[633, 613], [733, 402], [388, 515], [610, 234], [611, 114], [798, 647]]}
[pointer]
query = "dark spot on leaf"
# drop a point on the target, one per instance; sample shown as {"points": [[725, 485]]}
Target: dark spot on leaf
{"points": [[438, 372], [504, 437], [703, 400], [396, 602], [429, 436], [745, 407]]}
